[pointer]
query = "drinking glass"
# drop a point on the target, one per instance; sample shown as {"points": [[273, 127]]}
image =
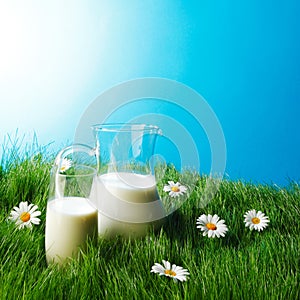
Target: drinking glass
{"points": [[71, 218]]}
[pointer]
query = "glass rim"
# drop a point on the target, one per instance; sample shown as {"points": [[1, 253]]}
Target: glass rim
{"points": [[125, 127]]}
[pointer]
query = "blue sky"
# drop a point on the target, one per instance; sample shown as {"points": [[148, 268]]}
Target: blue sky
{"points": [[242, 57]]}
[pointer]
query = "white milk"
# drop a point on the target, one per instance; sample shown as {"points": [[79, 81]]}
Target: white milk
{"points": [[128, 204], [69, 221]]}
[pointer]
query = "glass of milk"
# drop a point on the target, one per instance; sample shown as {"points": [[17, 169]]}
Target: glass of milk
{"points": [[125, 191], [71, 219]]}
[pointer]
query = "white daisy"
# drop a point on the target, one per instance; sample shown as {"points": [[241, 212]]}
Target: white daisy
{"points": [[212, 226], [256, 220], [175, 189], [65, 165], [176, 272], [25, 215]]}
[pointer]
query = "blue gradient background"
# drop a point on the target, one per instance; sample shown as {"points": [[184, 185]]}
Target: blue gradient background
{"points": [[242, 57]]}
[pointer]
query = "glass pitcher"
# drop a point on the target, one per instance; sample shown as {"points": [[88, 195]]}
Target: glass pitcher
{"points": [[125, 191]]}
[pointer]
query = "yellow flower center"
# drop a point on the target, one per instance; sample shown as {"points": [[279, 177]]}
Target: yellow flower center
{"points": [[255, 220], [170, 272], [25, 216], [211, 226], [175, 189]]}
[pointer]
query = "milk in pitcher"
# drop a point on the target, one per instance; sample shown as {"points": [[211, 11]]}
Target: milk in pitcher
{"points": [[128, 203]]}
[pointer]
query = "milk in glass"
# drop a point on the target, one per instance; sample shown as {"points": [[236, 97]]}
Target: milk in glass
{"points": [[69, 222]]}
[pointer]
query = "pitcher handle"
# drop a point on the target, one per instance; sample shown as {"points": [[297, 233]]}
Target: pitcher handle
{"points": [[62, 157]]}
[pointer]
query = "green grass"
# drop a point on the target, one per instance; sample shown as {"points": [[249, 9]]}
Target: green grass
{"points": [[243, 265]]}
